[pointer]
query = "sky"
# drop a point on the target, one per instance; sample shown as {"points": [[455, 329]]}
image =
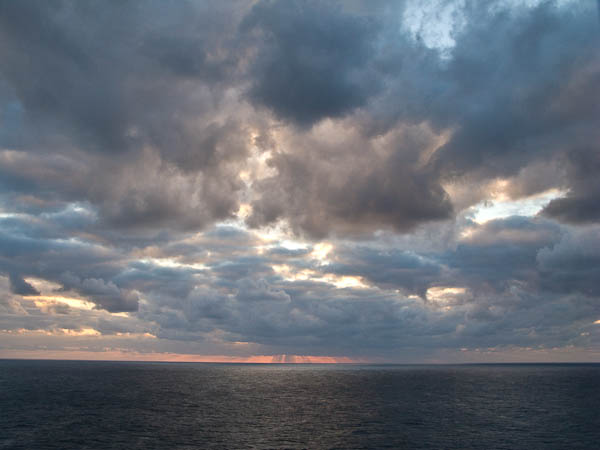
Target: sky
{"points": [[300, 181]]}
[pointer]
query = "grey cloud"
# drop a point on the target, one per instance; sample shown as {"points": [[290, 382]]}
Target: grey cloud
{"points": [[174, 81], [508, 267], [129, 131], [98, 93], [19, 286], [520, 81], [575, 208], [500, 253], [500, 119], [282, 252], [104, 294], [313, 59], [350, 192], [320, 320], [513, 91], [505, 265], [83, 267], [241, 267], [147, 277], [72, 82], [96, 107], [252, 291], [572, 265], [389, 269], [582, 203], [137, 193]]}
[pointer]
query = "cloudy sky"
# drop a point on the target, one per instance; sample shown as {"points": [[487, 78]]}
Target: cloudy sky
{"points": [[386, 181]]}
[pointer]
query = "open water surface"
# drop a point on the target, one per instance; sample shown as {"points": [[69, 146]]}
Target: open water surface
{"points": [[111, 405]]}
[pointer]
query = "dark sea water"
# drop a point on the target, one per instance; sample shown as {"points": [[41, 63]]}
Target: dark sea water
{"points": [[107, 405]]}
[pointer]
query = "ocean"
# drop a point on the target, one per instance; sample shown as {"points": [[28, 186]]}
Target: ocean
{"points": [[122, 405]]}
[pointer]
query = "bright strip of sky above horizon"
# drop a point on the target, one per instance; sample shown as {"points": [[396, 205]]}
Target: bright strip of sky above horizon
{"points": [[300, 181]]}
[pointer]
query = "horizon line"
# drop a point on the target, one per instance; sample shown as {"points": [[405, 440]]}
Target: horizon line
{"points": [[312, 363]]}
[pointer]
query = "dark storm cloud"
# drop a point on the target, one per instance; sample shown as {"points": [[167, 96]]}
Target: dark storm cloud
{"points": [[58, 79], [241, 267], [89, 85], [130, 130], [105, 295], [320, 189], [514, 91], [390, 268], [107, 97], [573, 264], [134, 193], [514, 85], [529, 282], [518, 84], [535, 254], [19, 286], [506, 266], [313, 59], [500, 253], [160, 113], [83, 267], [582, 204], [312, 318], [534, 101], [148, 277]]}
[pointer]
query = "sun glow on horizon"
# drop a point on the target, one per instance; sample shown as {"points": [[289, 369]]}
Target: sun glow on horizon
{"points": [[126, 355]]}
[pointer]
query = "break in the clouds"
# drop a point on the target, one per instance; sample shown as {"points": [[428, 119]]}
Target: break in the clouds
{"points": [[368, 181]]}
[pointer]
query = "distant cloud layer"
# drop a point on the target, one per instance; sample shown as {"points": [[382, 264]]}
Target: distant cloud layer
{"points": [[300, 177]]}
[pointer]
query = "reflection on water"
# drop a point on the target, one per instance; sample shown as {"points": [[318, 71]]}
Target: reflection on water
{"points": [[101, 405]]}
